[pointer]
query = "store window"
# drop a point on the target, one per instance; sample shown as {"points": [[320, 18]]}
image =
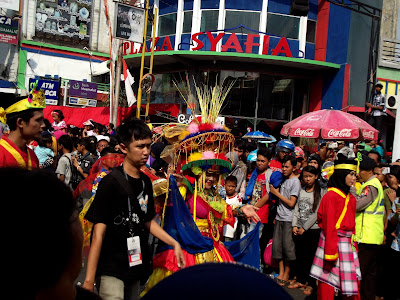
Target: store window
{"points": [[236, 18], [164, 89], [283, 25], [241, 99], [276, 96], [187, 21], [311, 27], [209, 20], [167, 24]]}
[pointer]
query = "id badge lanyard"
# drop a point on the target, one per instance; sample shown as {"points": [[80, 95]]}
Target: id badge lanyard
{"points": [[133, 242]]}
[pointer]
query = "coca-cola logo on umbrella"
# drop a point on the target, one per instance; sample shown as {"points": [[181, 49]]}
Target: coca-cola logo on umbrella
{"points": [[304, 132], [314, 118], [368, 134], [344, 133]]}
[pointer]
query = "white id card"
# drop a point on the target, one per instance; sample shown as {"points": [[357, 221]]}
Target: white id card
{"points": [[134, 251]]}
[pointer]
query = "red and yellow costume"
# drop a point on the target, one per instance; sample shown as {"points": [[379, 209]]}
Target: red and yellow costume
{"points": [[336, 212], [12, 156], [336, 264]]}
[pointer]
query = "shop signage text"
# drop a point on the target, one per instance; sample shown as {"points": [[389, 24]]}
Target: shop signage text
{"points": [[186, 119], [232, 43], [82, 89], [49, 87], [8, 30], [82, 101]]}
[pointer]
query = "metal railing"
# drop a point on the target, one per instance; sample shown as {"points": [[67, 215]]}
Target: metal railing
{"points": [[389, 53]]}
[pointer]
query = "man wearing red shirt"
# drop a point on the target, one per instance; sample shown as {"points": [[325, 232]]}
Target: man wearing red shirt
{"points": [[283, 148], [25, 120]]}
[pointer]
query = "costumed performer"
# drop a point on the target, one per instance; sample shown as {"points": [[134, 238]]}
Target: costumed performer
{"points": [[197, 221], [25, 120], [336, 264]]}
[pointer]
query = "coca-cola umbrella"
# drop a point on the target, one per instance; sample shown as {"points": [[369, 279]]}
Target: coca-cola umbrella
{"points": [[330, 124]]}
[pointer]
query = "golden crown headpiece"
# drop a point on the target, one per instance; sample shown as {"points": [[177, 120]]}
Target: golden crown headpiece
{"points": [[36, 99]]}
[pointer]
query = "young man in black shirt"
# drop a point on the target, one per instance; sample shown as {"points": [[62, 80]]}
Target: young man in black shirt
{"points": [[122, 213]]}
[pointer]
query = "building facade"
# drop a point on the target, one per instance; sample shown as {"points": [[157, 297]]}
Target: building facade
{"points": [[286, 59]]}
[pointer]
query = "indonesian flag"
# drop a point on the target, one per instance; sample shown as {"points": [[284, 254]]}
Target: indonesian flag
{"points": [[130, 96]]}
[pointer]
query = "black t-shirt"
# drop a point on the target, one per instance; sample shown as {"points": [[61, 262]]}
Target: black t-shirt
{"points": [[110, 207], [85, 162]]}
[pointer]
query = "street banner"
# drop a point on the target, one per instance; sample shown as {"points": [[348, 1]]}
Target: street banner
{"points": [[129, 23], [9, 4], [50, 88], [83, 89], [8, 30]]}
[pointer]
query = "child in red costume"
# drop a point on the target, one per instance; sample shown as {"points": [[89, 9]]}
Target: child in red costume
{"points": [[336, 264]]}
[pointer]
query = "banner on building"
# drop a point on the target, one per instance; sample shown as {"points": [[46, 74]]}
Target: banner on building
{"points": [[82, 89], [82, 101], [50, 88], [66, 21], [10, 4], [8, 30], [129, 23]]}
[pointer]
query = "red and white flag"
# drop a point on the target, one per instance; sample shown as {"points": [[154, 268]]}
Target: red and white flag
{"points": [[130, 96]]}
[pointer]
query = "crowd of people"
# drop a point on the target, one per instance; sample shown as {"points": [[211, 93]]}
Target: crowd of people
{"points": [[327, 220]]}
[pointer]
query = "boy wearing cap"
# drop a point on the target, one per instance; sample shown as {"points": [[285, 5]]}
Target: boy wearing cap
{"points": [[369, 225]]}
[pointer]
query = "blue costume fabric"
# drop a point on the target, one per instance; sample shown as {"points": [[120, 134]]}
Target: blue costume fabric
{"points": [[179, 223]]}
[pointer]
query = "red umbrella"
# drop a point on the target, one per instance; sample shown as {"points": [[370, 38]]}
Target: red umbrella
{"points": [[330, 124]]}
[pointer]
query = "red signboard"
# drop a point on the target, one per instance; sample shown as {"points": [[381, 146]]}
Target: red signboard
{"points": [[232, 43]]}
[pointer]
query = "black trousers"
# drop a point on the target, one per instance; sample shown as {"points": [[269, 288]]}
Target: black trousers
{"points": [[377, 122], [306, 246], [368, 255]]}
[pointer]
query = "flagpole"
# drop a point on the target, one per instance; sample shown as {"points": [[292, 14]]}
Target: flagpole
{"points": [[152, 56], [139, 97], [117, 84]]}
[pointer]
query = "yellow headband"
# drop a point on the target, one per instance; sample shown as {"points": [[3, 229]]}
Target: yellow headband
{"points": [[36, 99], [346, 167]]}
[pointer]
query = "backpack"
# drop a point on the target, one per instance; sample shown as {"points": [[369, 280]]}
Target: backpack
{"points": [[74, 181]]}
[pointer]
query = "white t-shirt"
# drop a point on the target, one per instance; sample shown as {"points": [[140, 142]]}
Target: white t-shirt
{"points": [[234, 201], [64, 167]]}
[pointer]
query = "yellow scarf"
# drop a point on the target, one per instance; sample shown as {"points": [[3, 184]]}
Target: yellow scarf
{"points": [[18, 157]]}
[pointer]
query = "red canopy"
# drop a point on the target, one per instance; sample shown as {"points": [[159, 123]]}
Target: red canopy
{"points": [[330, 124], [76, 115]]}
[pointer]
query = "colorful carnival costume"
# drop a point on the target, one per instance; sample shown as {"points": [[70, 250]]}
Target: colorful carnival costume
{"points": [[10, 154], [197, 221], [336, 263]]}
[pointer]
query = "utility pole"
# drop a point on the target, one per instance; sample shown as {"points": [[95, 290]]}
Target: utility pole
{"points": [[139, 97], [114, 115], [152, 56]]}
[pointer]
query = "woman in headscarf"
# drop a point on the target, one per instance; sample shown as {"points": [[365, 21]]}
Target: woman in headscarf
{"points": [[238, 173], [336, 264]]}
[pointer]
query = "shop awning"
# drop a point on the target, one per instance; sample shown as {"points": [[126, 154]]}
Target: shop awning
{"points": [[229, 59]]}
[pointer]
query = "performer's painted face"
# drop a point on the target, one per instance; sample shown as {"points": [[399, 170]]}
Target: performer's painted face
{"points": [[211, 178]]}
